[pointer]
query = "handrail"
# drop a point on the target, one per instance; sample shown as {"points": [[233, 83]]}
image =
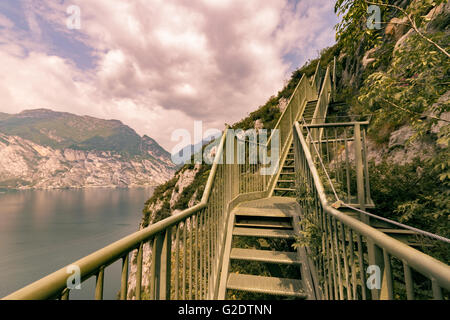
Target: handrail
{"points": [[193, 239], [316, 79], [322, 104], [334, 243], [52, 285], [207, 222]]}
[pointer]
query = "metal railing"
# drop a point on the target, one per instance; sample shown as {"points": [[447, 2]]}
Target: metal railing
{"points": [[343, 247], [186, 249], [341, 150]]}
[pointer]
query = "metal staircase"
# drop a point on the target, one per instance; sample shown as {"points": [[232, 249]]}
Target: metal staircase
{"points": [[271, 219], [238, 241], [285, 185], [308, 114]]}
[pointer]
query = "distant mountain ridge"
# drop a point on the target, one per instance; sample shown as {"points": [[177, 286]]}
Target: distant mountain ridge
{"points": [[42, 148]]}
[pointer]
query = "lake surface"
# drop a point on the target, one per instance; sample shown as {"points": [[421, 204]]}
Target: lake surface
{"points": [[43, 231]]}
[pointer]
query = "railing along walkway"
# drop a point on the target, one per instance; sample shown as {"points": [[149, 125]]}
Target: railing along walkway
{"points": [[189, 251]]}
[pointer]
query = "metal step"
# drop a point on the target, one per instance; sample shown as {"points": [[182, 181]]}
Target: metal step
{"points": [[263, 233], [267, 256], [263, 224], [286, 181], [266, 285], [284, 189], [398, 231], [261, 212]]}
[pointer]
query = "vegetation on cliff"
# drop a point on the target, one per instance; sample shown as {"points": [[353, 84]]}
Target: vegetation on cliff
{"points": [[396, 75]]}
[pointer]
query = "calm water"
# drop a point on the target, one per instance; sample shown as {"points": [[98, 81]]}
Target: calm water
{"points": [[43, 231]]}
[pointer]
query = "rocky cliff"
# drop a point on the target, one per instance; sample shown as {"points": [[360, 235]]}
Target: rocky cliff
{"points": [[44, 149], [402, 189]]}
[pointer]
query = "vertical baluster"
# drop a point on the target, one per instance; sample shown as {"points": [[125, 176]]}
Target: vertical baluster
{"points": [[177, 264], [366, 165], [200, 247], [344, 253], [338, 258], [153, 269], [124, 278], [65, 294], [191, 254], [333, 262], [185, 252], [99, 284], [210, 247], [437, 291], [347, 162], [326, 264], [352, 264], [388, 273], [165, 264], [139, 272], [408, 281], [196, 258], [205, 252], [361, 267]]}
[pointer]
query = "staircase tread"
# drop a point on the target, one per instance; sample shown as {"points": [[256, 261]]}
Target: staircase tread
{"points": [[284, 189], [263, 233], [264, 224], [265, 256], [398, 231], [266, 285], [261, 212]]}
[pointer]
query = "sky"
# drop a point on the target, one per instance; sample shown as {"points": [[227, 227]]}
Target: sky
{"points": [[156, 65]]}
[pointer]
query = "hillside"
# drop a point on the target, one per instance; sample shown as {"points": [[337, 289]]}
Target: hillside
{"points": [[397, 77], [45, 149]]}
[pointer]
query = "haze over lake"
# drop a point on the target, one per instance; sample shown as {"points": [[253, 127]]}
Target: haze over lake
{"points": [[42, 231]]}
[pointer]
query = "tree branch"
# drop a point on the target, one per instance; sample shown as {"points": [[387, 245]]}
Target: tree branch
{"points": [[413, 25], [413, 112]]}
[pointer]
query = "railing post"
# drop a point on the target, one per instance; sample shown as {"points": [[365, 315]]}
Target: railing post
{"points": [[334, 79], [376, 257], [163, 265], [360, 172], [124, 278]]}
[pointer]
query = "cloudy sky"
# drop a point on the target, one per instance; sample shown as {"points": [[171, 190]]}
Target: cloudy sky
{"points": [[156, 65]]}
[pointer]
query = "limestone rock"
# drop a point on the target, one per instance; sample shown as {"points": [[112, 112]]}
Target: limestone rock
{"points": [[399, 137], [259, 125], [397, 27], [367, 59], [282, 104]]}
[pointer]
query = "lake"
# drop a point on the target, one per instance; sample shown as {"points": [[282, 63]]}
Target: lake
{"points": [[42, 231]]}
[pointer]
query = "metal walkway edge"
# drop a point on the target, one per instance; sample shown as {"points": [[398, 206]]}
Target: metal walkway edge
{"points": [[281, 210]]}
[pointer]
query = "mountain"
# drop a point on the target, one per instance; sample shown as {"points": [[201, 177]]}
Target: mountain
{"points": [[408, 146], [184, 155], [45, 149]]}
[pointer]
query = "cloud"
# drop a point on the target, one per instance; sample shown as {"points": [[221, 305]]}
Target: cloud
{"points": [[159, 65]]}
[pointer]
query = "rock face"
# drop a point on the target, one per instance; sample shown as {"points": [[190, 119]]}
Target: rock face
{"points": [[42, 149], [182, 180]]}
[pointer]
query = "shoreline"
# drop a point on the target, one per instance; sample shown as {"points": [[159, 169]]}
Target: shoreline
{"points": [[7, 190]]}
